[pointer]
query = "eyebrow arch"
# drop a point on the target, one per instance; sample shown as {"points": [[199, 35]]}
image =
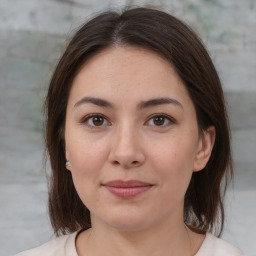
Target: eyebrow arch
{"points": [[95, 101], [158, 101], [140, 106]]}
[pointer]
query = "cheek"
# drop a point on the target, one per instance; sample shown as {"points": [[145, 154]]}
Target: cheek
{"points": [[87, 160], [175, 154], [173, 162], [83, 147], [87, 163]]}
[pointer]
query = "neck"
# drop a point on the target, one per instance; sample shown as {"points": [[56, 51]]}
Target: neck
{"points": [[172, 239]]}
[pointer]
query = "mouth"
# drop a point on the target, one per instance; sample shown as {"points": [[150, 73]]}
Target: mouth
{"points": [[127, 189]]}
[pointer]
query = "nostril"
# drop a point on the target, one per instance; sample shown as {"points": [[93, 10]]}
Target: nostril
{"points": [[116, 163]]}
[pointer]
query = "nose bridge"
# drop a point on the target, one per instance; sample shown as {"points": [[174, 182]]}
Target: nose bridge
{"points": [[126, 149], [125, 138]]}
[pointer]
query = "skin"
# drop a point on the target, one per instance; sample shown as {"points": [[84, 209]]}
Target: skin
{"points": [[128, 143]]}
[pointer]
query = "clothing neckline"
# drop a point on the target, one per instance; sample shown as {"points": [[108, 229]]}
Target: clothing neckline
{"points": [[71, 243]]}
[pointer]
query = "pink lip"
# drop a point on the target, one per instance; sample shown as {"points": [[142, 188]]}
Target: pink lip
{"points": [[127, 189]]}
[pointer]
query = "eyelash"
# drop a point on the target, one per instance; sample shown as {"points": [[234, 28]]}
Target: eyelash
{"points": [[88, 117], [161, 115]]}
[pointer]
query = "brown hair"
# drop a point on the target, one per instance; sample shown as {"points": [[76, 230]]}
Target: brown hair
{"points": [[176, 42]]}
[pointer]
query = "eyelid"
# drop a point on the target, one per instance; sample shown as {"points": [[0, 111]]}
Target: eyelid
{"points": [[169, 118], [84, 120]]}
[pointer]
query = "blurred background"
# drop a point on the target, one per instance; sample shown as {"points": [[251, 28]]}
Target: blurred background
{"points": [[33, 34]]}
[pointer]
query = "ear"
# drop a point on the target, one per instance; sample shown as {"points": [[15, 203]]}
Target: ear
{"points": [[205, 146], [68, 164]]}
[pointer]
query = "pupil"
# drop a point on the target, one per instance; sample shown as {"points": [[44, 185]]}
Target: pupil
{"points": [[159, 120], [97, 120]]}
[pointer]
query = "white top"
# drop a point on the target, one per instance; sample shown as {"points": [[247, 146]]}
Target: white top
{"points": [[65, 246]]}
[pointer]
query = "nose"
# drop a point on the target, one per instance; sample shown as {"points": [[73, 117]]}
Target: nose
{"points": [[126, 149]]}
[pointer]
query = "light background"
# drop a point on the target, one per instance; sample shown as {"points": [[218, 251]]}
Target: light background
{"points": [[33, 33]]}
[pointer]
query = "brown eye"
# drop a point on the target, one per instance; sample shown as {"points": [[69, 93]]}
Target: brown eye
{"points": [[159, 120], [97, 120]]}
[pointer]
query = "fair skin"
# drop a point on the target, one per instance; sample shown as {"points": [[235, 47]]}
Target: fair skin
{"points": [[129, 117]]}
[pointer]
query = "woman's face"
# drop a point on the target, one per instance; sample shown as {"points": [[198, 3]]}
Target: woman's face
{"points": [[132, 139]]}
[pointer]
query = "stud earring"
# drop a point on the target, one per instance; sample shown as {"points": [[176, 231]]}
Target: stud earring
{"points": [[68, 164]]}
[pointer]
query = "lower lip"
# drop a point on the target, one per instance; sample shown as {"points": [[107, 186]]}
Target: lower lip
{"points": [[127, 192]]}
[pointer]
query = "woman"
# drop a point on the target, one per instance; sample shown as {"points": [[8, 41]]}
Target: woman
{"points": [[138, 139]]}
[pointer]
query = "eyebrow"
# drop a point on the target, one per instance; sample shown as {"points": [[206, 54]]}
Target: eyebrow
{"points": [[158, 101], [95, 101], [142, 105]]}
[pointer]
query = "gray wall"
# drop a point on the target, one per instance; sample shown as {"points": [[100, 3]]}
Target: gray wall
{"points": [[33, 33]]}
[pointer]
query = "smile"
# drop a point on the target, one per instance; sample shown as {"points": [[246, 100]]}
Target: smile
{"points": [[127, 189]]}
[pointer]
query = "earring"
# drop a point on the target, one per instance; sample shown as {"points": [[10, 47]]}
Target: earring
{"points": [[68, 164]]}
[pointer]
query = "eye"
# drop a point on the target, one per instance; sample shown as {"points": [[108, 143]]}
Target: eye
{"points": [[162, 120], [95, 121]]}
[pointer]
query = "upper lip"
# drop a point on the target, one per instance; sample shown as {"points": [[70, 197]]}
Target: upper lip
{"points": [[126, 184]]}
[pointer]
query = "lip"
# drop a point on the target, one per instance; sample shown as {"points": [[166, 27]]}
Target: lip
{"points": [[127, 189]]}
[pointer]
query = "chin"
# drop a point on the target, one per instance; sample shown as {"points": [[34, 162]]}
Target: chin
{"points": [[128, 222]]}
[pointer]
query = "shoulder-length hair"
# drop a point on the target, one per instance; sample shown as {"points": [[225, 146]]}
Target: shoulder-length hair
{"points": [[176, 42]]}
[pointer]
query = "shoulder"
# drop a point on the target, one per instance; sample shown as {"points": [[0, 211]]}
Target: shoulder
{"points": [[213, 246], [64, 245]]}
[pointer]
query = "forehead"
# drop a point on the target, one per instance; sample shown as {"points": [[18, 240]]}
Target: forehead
{"points": [[124, 71]]}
